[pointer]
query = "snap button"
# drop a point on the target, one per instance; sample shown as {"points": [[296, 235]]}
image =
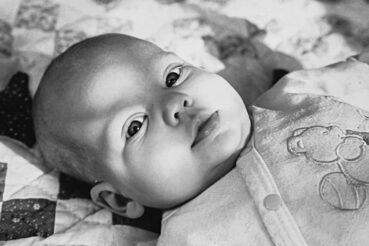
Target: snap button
{"points": [[272, 202]]}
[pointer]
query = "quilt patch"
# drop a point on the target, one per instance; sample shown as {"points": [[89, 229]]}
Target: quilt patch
{"points": [[66, 37], [15, 110], [28, 217], [3, 169], [22, 218], [37, 14]]}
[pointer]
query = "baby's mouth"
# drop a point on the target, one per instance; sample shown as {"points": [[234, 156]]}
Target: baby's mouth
{"points": [[206, 128]]}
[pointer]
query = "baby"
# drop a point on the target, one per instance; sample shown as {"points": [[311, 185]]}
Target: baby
{"points": [[147, 128], [138, 122]]}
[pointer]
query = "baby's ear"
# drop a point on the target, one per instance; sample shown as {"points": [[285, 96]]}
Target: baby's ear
{"points": [[105, 195]]}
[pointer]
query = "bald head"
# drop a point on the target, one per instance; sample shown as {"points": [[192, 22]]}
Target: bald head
{"points": [[122, 111], [59, 99], [73, 68]]}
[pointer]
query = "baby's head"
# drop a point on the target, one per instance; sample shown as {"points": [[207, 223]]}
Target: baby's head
{"points": [[141, 121]]}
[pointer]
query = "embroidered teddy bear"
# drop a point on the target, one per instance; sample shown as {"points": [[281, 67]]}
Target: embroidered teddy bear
{"points": [[344, 189]]}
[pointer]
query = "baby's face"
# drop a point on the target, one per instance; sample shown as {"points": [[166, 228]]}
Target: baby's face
{"points": [[162, 129]]}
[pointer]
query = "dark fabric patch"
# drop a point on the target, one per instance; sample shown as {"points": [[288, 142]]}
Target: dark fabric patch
{"points": [[278, 74], [21, 218], [3, 169], [150, 220], [16, 110], [72, 188]]}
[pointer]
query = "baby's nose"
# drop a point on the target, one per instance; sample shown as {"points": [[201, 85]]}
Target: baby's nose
{"points": [[174, 107]]}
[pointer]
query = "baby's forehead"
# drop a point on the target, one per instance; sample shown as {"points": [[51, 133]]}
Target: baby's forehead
{"points": [[111, 61], [119, 74], [141, 57]]}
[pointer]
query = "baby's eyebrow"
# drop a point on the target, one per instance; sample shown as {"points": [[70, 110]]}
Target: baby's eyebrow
{"points": [[163, 59], [167, 55]]}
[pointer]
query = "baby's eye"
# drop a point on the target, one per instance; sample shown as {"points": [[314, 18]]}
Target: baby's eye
{"points": [[173, 76], [134, 127]]}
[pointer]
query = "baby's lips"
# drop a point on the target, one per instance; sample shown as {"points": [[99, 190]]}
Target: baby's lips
{"points": [[337, 192]]}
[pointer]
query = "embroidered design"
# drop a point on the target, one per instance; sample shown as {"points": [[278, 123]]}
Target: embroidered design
{"points": [[335, 190], [330, 145], [363, 114]]}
